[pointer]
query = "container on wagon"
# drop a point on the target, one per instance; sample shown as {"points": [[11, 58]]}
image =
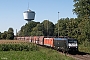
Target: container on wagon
{"points": [[30, 39], [36, 39], [41, 40], [48, 42]]}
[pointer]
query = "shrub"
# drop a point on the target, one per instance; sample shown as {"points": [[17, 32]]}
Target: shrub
{"points": [[18, 47]]}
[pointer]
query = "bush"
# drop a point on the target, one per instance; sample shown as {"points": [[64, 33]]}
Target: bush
{"points": [[85, 47], [18, 47]]}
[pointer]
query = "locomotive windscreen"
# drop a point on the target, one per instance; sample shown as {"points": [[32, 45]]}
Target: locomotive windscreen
{"points": [[72, 41]]}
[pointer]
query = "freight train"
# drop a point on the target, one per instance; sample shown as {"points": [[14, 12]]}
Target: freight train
{"points": [[64, 44]]}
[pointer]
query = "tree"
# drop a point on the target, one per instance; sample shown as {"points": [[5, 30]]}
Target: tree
{"points": [[38, 30], [10, 34], [21, 32], [61, 25], [27, 28], [10, 30], [84, 27], [82, 8], [4, 35], [48, 28]]}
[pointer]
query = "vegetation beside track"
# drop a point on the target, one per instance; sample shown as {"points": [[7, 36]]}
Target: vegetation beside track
{"points": [[41, 54], [18, 47], [85, 47], [35, 53]]}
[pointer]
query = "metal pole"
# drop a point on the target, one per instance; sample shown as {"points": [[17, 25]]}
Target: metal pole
{"points": [[58, 24], [47, 28]]}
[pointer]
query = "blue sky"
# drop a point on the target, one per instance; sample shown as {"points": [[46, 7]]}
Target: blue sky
{"points": [[11, 11]]}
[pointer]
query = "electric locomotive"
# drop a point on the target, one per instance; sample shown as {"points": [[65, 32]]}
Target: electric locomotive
{"points": [[66, 44]]}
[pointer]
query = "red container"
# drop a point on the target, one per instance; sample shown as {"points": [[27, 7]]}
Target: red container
{"points": [[36, 39], [48, 42], [30, 39], [41, 40]]}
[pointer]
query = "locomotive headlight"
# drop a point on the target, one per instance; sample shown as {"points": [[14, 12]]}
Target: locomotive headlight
{"points": [[76, 44], [69, 44]]}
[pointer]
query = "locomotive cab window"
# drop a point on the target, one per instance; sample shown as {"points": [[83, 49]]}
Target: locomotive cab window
{"points": [[72, 41]]}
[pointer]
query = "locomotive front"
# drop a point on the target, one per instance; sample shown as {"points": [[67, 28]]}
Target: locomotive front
{"points": [[73, 45]]}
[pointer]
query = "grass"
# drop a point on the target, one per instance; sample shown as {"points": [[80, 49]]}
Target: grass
{"points": [[42, 54]]}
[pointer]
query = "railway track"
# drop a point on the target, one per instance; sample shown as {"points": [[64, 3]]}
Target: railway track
{"points": [[82, 57], [79, 55]]}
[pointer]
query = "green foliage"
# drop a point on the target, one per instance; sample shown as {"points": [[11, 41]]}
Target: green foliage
{"points": [[74, 27], [18, 47], [10, 30], [4, 35], [37, 29], [62, 27], [7, 34], [10, 36], [82, 8], [28, 28], [48, 28], [85, 47]]}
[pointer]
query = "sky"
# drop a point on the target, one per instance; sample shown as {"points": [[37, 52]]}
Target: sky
{"points": [[11, 12]]}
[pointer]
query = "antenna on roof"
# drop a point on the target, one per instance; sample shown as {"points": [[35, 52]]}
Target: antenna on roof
{"points": [[28, 5]]}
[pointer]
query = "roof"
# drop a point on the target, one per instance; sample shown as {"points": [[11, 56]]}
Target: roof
{"points": [[29, 11], [60, 39]]}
